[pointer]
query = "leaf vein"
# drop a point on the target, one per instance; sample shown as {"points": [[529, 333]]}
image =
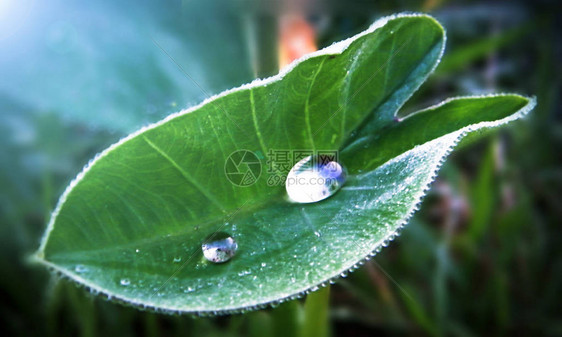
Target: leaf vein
{"points": [[307, 104], [256, 126], [185, 174]]}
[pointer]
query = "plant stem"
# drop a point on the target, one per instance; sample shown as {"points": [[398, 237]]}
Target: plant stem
{"points": [[316, 310]]}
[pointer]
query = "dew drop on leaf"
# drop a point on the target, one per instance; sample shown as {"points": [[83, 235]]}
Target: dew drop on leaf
{"points": [[314, 178], [219, 247], [79, 268], [125, 282]]}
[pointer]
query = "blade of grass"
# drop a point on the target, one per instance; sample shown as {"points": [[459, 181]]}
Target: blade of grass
{"points": [[470, 52], [418, 313]]}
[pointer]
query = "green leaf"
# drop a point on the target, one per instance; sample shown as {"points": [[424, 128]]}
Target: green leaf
{"points": [[132, 223]]}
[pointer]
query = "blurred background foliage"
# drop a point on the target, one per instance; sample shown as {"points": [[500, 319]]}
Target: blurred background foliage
{"points": [[482, 257]]}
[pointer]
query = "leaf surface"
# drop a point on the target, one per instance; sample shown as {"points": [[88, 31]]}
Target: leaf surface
{"points": [[132, 223]]}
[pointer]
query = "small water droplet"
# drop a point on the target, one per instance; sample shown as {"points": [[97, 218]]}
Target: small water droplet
{"points": [[125, 282], [177, 259], [263, 264], [219, 247], [137, 250], [80, 268], [244, 272], [314, 178]]}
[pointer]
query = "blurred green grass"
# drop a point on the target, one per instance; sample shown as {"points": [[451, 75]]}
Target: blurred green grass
{"points": [[482, 257]]}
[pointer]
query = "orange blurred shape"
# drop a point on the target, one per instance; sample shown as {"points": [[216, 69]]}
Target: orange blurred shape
{"points": [[296, 38]]}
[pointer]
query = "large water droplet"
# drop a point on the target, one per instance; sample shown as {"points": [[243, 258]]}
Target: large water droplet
{"points": [[314, 178], [219, 247]]}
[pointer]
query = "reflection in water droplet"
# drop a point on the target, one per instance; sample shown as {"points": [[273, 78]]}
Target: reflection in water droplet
{"points": [[125, 282], [219, 247], [80, 268], [314, 178], [177, 259]]}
